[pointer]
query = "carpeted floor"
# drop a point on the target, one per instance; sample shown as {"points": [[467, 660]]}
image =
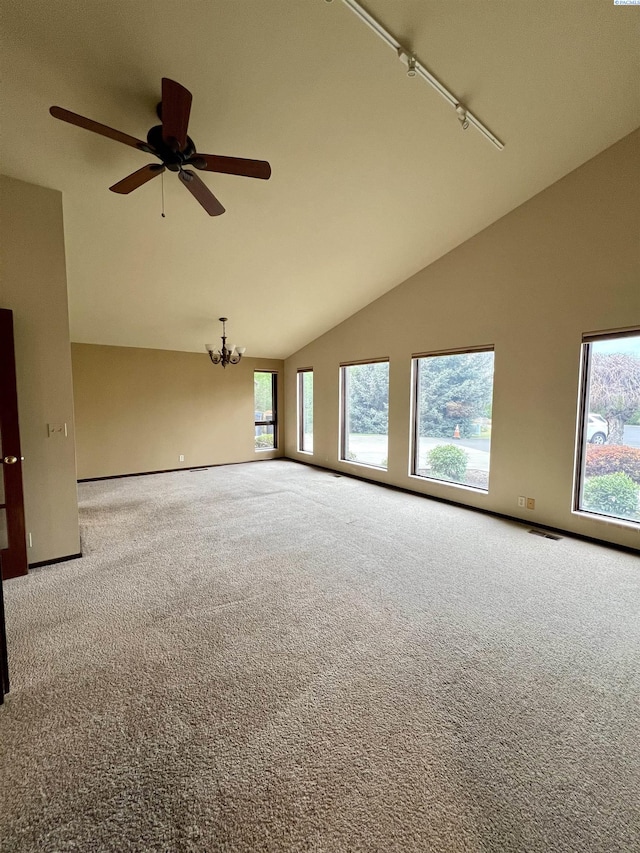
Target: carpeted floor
{"points": [[267, 657]]}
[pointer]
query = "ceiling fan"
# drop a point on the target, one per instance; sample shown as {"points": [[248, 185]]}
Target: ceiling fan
{"points": [[171, 145]]}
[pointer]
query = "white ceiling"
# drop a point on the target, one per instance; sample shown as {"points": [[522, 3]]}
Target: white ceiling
{"points": [[373, 177]]}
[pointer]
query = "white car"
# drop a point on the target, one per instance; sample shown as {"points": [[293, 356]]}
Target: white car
{"points": [[597, 429]]}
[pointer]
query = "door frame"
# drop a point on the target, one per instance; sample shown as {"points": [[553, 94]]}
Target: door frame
{"points": [[4, 655], [14, 558]]}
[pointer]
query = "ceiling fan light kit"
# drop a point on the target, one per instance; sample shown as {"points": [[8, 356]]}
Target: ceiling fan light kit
{"points": [[416, 69], [176, 150]]}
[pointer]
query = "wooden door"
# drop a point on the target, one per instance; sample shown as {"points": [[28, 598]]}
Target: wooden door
{"points": [[13, 545]]}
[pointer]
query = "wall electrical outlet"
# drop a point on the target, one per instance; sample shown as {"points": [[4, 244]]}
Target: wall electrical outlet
{"points": [[522, 501], [531, 503], [56, 429], [181, 458]]}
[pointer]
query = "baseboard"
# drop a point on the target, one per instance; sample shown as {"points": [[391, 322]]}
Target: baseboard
{"points": [[144, 473], [173, 470], [557, 530], [53, 562]]}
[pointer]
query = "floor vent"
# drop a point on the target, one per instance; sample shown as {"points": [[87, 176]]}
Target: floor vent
{"points": [[193, 470], [337, 475], [545, 535]]}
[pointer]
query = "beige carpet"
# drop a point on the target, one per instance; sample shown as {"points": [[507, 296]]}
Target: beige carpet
{"points": [[267, 657]]}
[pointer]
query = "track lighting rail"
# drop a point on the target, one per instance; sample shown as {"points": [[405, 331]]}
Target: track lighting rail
{"points": [[416, 68]]}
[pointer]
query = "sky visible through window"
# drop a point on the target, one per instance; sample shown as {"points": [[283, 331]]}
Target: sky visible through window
{"points": [[630, 346]]}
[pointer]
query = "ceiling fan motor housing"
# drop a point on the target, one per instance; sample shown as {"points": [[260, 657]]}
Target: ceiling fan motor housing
{"points": [[173, 160]]}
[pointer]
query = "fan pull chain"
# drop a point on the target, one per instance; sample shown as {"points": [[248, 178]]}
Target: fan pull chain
{"points": [[162, 177]]}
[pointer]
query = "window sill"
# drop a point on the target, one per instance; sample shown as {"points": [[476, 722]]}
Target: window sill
{"points": [[363, 464], [607, 519], [475, 489]]}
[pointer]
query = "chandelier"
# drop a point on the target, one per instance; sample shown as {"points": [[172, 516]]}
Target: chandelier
{"points": [[225, 356]]}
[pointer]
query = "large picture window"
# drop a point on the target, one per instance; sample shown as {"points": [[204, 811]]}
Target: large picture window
{"points": [[265, 397], [305, 411], [453, 395], [608, 469], [365, 413]]}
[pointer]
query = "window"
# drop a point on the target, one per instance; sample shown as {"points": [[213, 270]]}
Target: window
{"points": [[607, 481], [265, 397], [365, 413], [453, 395], [305, 411]]}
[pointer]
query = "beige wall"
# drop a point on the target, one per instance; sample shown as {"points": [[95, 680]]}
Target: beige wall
{"points": [[564, 263], [138, 410], [33, 284]]}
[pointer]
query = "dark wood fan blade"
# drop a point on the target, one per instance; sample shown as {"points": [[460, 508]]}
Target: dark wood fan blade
{"points": [[176, 107], [233, 166], [137, 179], [96, 127], [201, 192]]}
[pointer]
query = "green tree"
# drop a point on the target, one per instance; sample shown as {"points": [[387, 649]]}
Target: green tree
{"points": [[614, 390], [453, 390], [307, 401], [262, 386], [368, 396]]}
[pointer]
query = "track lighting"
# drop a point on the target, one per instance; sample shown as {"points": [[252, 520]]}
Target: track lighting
{"points": [[462, 116], [415, 68]]}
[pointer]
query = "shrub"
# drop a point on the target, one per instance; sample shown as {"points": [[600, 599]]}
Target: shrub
{"points": [[610, 459], [612, 494], [448, 461], [265, 440]]}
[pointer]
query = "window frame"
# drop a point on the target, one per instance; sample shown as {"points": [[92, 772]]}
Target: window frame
{"points": [[300, 408], [582, 424], [343, 409], [414, 443], [274, 421]]}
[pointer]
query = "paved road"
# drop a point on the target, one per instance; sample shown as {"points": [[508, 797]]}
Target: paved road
{"points": [[369, 449], [471, 443], [475, 448], [631, 436], [373, 449]]}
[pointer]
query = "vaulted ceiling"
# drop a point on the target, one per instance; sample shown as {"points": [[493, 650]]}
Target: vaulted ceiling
{"points": [[373, 177]]}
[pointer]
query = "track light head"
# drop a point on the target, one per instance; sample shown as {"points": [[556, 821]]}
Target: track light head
{"points": [[462, 116], [411, 67]]}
